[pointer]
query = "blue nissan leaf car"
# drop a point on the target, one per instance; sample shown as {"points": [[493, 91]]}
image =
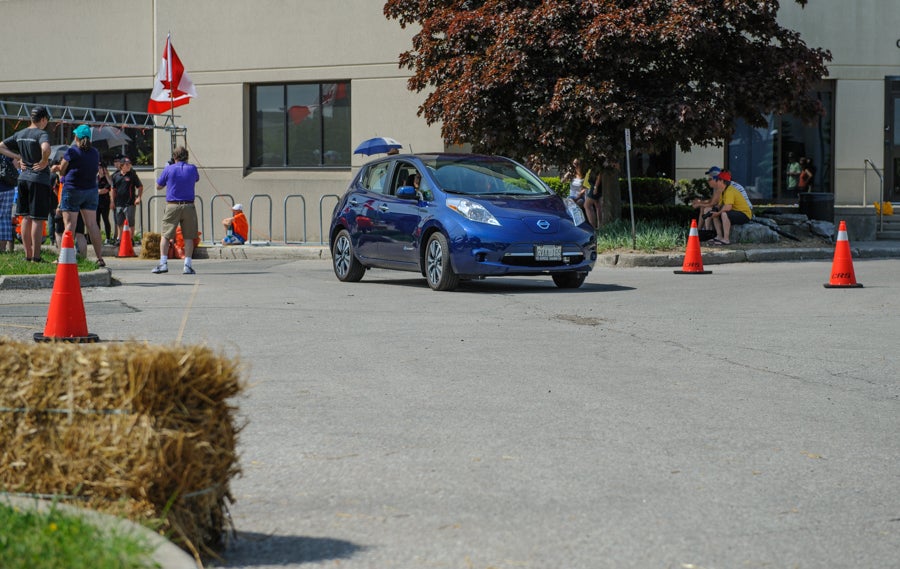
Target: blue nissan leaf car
{"points": [[458, 216]]}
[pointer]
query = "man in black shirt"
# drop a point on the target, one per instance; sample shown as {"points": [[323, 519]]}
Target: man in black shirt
{"points": [[125, 194], [32, 147]]}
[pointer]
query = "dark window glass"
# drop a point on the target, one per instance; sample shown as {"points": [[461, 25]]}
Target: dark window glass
{"points": [[764, 159], [300, 125]]}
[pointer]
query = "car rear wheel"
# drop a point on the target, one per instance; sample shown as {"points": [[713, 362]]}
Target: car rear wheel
{"points": [[569, 280], [346, 267], [438, 271]]}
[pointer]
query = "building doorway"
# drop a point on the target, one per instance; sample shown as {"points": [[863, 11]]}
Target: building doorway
{"points": [[892, 139]]}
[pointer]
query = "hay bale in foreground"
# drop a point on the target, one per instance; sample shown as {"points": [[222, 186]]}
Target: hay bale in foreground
{"points": [[132, 429], [150, 245]]}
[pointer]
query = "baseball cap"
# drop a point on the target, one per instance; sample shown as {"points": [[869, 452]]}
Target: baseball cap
{"points": [[724, 175], [83, 131], [237, 207], [713, 172]]}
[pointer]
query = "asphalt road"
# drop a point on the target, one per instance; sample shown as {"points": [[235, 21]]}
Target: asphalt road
{"points": [[747, 418]]}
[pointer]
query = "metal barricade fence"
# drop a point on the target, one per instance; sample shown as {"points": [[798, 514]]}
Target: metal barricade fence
{"points": [[250, 220], [285, 206], [322, 236], [212, 215]]}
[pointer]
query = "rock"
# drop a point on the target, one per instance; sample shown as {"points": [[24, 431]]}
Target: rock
{"points": [[823, 229], [753, 233], [788, 218]]}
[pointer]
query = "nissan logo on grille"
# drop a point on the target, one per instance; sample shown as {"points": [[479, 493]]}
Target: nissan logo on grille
{"points": [[543, 224]]}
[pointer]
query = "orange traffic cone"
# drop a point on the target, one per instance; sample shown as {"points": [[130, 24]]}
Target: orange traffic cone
{"points": [[842, 275], [65, 318], [693, 262], [126, 247]]}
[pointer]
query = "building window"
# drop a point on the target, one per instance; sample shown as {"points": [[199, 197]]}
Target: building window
{"points": [[137, 143], [300, 125], [760, 158]]}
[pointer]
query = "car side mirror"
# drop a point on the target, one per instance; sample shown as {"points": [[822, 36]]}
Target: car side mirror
{"points": [[407, 193]]}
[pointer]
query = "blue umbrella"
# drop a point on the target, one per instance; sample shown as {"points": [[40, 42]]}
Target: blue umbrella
{"points": [[377, 145]]}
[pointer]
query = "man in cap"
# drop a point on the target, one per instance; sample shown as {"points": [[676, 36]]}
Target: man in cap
{"points": [[733, 208], [706, 206], [179, 180], [31, 146], [236, 226]]}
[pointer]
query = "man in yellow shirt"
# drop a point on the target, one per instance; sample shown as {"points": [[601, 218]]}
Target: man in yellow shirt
{"points": [[733, 208]]}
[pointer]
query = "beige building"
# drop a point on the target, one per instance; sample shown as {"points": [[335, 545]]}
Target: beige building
{"points": [[286, 89]]}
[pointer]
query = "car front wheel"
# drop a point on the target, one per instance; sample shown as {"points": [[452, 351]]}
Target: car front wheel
{"points": [[346, 266], [438, 271], [569, 280]]}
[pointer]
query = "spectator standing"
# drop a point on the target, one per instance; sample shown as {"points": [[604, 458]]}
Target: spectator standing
{"points": [[9, 179], [793, 174], [179, 180], [79, 194], [592, 201], [125, 195], [31, 146], [807, 173], [575, 177], [236, 226], [104, 186]]}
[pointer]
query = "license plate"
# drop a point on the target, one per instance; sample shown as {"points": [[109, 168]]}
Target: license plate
{"points": [[548, 252]]}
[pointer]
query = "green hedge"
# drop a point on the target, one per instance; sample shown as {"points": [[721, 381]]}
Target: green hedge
{"points": [[648, 191]]}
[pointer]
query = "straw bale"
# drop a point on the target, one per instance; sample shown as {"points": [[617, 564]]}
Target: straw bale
{"points": [[132, 429], [150, 245]]}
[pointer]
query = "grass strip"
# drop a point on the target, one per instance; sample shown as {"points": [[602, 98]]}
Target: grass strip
{"points": [[649, 237], [52, 539], [15, 264]]}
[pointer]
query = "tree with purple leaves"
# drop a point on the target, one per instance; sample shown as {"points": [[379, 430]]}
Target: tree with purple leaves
{"points": [[548, 81]]}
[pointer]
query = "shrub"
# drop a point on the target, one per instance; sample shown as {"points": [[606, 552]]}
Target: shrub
{"points": [[649, 191], [687, 190]]}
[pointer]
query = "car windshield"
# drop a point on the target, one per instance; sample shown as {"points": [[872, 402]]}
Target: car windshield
{"points": [[484, 175]]}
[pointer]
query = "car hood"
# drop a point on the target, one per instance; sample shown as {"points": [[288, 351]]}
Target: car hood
{"points": [[520, 207], [539, 215]]}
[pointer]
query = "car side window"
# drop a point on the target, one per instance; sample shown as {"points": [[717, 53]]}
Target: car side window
{"points": [[404, 175], [375, 177]]}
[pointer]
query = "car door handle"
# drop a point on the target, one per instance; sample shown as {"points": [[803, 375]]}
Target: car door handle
{"points": [[383, 207]]}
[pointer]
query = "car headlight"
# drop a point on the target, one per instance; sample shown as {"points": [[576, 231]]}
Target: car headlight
{"points": [[574, 212], [473, 211]]}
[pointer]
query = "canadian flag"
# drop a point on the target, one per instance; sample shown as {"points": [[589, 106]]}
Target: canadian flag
{"points": [[173, 87]]}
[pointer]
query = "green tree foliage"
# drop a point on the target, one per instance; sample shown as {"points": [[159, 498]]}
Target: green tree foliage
{"points": [[552, 80]]}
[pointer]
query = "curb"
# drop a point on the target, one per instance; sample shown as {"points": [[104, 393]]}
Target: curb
{"points": [[166, 554], [103, 277], [100, 277]]}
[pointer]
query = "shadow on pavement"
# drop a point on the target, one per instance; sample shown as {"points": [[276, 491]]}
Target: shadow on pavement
{"points": [[255, 549]]}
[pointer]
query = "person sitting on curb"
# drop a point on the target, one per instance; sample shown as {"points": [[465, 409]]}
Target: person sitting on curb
{"points": [[733, 208], [236, 226], [707, 206]]}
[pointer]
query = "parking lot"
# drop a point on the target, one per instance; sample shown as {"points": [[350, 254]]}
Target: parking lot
{"points": [[746, 418]]}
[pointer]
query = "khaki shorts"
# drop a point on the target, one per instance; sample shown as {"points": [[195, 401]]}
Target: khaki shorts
{"points": [[184, 215]]}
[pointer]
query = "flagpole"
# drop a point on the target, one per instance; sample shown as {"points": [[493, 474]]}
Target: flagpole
{"points": [[172, 139]]}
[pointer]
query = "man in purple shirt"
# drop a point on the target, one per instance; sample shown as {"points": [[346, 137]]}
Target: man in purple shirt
{"points": [[179, 179]]}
